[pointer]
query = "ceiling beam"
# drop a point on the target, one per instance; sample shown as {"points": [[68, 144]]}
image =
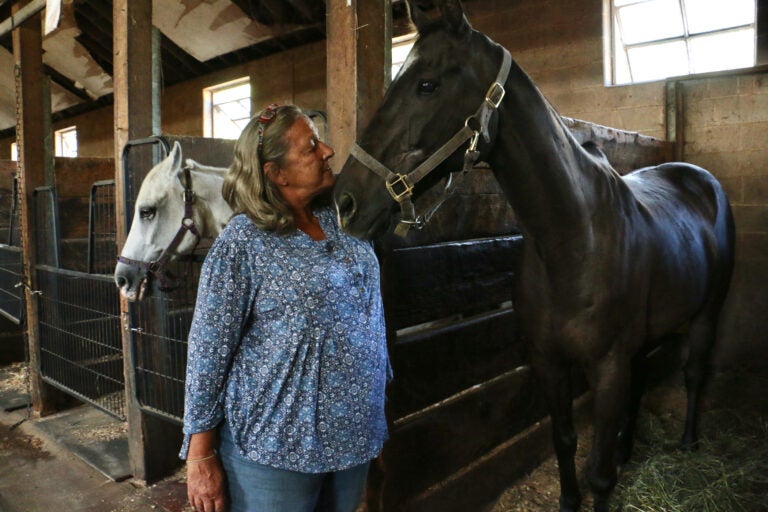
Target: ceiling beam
{"points": [[66, 84]]}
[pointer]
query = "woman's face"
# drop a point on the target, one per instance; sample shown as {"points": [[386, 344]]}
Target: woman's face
{"points": [[305, 167]]}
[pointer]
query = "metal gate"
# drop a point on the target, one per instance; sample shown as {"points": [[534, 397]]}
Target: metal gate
{"points": [[11, 270], [11, 279], [80, 344], [102, 245], [160, 323], [79, 312]]}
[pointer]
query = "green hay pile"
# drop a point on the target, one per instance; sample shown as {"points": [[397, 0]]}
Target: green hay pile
{"points": [[728, 473]]}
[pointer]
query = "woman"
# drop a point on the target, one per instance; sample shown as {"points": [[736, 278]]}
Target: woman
{"points": [[287, 363]]}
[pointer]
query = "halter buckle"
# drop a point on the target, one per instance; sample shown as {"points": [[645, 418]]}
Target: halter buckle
{"points": [[401, 180], [473, 142], [494, 95]]}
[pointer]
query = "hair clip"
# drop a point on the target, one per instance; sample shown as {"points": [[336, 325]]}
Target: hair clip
{"points": [[265, 117]]}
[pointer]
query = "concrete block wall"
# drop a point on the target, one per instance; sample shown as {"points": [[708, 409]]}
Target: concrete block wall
{"points": [[726, 131]]}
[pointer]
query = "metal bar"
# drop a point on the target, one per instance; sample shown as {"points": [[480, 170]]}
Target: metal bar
{"points": [[21, 16]]}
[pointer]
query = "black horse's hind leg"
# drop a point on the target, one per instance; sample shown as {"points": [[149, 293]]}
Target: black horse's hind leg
{"points": [[627, 431], [700, 339], [555, 383], [610, 381]]}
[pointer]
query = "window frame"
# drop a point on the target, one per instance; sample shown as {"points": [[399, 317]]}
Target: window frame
{"points": [[612, 41], [59, 145], [209, 119]]}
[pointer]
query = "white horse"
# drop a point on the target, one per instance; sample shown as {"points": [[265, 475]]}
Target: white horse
{"points": [[177, 205]]}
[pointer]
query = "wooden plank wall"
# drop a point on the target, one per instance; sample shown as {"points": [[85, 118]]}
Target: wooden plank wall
{"points": [[463, 405]]}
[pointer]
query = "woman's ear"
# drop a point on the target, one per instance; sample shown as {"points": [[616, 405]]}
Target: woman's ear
{"points": [[274, 173]]}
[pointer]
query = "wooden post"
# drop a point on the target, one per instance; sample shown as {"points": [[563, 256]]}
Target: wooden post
{"points": [[153, 443], [762, 33], [359, 41], [359, 62], [31, 135]]}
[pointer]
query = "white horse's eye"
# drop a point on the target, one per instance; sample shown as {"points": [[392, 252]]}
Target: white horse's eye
{"points": [[147, 213]]}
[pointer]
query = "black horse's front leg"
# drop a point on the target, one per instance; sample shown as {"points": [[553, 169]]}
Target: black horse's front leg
{"points": [[610, 381], [554, 381]]}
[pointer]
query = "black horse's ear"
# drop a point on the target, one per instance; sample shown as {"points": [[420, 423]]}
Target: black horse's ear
{"points": [[453, 14], [418, 17]]}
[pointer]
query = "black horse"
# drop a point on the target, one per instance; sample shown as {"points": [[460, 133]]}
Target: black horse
{"points": [[610, 263]]}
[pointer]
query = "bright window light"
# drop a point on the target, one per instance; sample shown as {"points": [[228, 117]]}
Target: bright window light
{"points": [[708, 15], [658, 61], [650, 21], [656, 39], [401, 47], [14, 151], [227, 109], [714, 52], [65, 142]]}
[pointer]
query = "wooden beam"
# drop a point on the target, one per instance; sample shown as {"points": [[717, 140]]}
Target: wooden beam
{"points": [[33, 127], [359, 37], [153, 443], [66, 84]]}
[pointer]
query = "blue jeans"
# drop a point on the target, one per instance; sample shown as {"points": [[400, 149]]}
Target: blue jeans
{"points": [[255, 487]]}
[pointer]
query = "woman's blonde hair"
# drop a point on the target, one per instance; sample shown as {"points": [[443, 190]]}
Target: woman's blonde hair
{"points": [[246, 187]]}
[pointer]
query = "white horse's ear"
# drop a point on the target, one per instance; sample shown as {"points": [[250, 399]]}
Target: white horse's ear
{"points": [[175, 159], [453, 13], [418, 17]]}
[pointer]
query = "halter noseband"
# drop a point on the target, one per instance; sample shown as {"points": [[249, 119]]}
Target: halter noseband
{"points": [[400, 186], [157, 268]]}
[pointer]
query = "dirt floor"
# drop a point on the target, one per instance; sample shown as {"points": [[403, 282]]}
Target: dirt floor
{"points": [[38, 475]]}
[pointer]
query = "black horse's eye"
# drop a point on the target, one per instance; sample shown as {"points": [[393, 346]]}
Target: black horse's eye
{"points": [[147, 213], [428, 86]]}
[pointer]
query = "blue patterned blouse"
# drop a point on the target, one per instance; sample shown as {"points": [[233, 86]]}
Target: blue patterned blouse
{"points": [[288, 347]]}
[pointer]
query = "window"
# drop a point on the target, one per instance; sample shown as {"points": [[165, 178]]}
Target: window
{"points": [[65, 142], [14, 151], [227, 109], [655, 39]]}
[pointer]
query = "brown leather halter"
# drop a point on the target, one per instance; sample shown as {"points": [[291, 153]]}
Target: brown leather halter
{"points": [[400, 186], [157, 268]]}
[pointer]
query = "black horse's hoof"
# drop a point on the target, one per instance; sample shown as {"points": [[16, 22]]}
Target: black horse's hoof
{"points": [[571, 504], [689, 445], [601, 504]]}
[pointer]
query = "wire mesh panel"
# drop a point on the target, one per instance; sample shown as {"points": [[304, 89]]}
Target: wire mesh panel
{"points": [[160, 325], [11, 276], [80, 339], [47, 239], [102, 247]]}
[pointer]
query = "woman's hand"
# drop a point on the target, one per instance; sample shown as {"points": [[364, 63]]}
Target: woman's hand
{"points": [[206, 485]]}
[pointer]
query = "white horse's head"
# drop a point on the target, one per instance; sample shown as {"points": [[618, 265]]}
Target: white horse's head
{"points": [[165, 224]]}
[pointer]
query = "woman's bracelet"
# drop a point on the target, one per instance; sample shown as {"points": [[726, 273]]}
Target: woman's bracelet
{"points": [[201, 459]]}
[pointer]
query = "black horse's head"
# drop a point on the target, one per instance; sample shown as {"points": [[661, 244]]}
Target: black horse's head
{"points": [[443, 81]]}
